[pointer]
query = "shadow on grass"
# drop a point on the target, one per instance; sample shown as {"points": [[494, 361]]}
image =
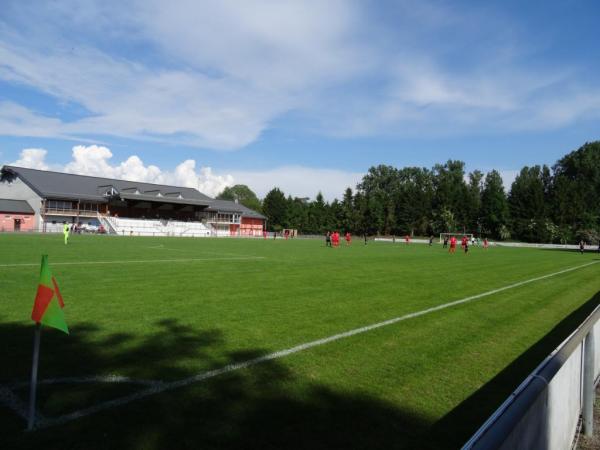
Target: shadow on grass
{"points": [[266, 406], [460, 424]]}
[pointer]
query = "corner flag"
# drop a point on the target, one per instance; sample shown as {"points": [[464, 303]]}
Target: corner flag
{"points": [[49, 304]]}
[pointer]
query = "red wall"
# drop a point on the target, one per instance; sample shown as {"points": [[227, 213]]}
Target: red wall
{"points": [[7, 221], [251, 226]]}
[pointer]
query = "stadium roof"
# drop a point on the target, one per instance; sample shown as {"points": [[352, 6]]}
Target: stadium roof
{"points": [[58, 185], [226, 205], [15, 206]]}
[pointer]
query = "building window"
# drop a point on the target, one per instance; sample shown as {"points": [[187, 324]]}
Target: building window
{"points": [[58, 204]]}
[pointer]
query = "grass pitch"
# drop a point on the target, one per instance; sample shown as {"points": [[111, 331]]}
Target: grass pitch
{"points": [[162, 310]]}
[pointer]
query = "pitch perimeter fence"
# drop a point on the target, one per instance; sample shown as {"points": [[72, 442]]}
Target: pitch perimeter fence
{"points": [[545, 410]]}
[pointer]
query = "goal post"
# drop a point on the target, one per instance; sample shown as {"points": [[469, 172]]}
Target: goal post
{"points": [[289, 232]]}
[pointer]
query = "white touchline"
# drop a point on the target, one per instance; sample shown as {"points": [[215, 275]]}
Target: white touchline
{"points": [[135, 261], [203, 252], [167, 386]]}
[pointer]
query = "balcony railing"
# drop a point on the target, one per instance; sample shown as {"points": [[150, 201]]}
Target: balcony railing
{"points": [[68, 212]]}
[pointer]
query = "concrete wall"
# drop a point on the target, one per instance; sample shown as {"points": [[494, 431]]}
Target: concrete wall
{"points": [[543, 413], [564, 402], [597, 351], [17, 190], [551, 421]]}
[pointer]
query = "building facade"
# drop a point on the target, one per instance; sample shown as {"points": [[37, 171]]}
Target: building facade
{"points": [[16, 215], [57, 198]]}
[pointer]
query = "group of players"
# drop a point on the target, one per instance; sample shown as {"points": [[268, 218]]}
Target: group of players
{"points": [[464, 243], [332, 239]]}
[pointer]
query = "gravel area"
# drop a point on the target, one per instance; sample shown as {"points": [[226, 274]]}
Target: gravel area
{"points": [[592, 443]]}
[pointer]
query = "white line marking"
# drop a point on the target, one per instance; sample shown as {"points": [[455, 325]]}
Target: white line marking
{"points": [[207, 252], [94, 379], [162, 387], [135, 261], [10, 400]]}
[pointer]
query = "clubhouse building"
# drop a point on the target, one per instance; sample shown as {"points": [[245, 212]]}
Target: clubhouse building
{"points": [[40, 200]]}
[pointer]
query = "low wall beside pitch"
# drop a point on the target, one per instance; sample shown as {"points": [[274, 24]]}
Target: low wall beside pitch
{"points": [[545, 410]]}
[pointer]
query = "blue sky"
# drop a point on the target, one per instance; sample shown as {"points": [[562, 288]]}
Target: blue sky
{"points": [[306, 95]]}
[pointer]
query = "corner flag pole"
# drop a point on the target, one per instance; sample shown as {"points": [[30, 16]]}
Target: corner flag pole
{"points": [[34, 371]]}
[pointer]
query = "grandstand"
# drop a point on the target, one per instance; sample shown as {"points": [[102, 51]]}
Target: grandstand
{"points": [[124, 207]]}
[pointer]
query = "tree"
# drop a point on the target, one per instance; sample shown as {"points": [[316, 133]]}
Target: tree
{"points": [[242, 194], [379, 187], [296, 214], [413, 200], [528, 204], [473, 201], [450, 192], [317, 215], [349, 220], [576, 189], [494, 206], [274, 207]]}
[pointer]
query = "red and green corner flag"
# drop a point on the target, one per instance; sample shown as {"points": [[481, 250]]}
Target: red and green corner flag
{"points": [[49, 304]]}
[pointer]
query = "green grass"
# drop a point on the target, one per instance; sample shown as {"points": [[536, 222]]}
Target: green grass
{"points": [[427, 382]]}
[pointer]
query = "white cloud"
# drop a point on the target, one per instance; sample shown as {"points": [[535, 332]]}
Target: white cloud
{"points": [[220, 71], [95, 160], [216, 74], [32, 158]]}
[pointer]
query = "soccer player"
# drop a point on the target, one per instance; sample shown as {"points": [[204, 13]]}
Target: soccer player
{"points": [[466, 248], [452, 244], [66, 229], [336, 239], [348, 238], [328, 239], [485, 244], [407, 239], [430, 241], [582, 246], [445, 241]]}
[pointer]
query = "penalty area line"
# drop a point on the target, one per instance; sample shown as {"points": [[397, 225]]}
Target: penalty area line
{"points": [[137, 261], [167, 386]]}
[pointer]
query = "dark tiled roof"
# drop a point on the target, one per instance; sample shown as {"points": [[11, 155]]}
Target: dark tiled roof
{"points": [[15, 206], [229, 206], [58, 185], [162, 199], [69, 186]]}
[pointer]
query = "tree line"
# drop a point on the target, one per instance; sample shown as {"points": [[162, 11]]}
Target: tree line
{"points": [[559, 204]]}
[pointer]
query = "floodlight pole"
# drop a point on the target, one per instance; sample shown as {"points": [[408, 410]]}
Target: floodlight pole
{"points": [[34, 371]]}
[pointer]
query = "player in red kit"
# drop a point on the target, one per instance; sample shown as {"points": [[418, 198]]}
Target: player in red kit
{"points": [[348, 238], [452, 245]]}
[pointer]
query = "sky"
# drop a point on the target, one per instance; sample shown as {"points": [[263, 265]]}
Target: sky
{"points": [[304, 95]]}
